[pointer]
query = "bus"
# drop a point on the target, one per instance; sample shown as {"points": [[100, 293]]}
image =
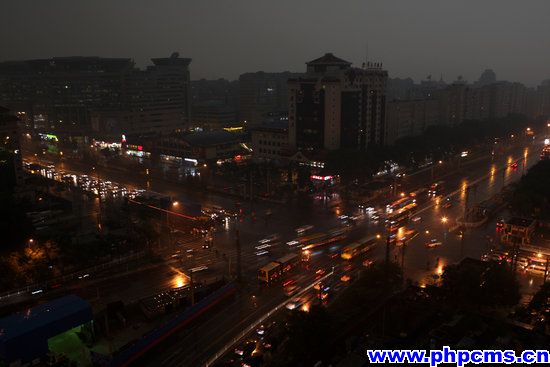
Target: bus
{"points": [[306, 240], [398, 220], [398, 204], [409, 208], [359, 247], [416, 194], [325, 239], [274, 271], [288, 262], [269, 273]]}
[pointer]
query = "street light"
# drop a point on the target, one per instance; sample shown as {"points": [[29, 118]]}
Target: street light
{"points": [[444, 220], [175, 203], [378, 236]]}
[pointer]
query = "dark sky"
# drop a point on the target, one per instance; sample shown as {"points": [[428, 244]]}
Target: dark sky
{"points": [[228, 37]]}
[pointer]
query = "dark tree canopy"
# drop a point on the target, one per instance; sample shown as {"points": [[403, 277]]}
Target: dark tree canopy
{"points": [[531, 197]]}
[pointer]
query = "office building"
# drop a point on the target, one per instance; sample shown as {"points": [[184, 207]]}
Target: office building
{"points": [[263, 93], [269, 141], [99, 96], [11, 170], [336, 105], [410, 118]]}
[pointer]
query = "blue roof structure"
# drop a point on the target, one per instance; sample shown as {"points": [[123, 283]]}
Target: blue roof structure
{"points": [[24, 335]]}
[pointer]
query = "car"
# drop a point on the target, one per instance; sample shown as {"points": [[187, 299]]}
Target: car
{"points": [[345, 278], [348, 267], [289, 282], [290, 290], [368, 263], [303, 229], [246, 349], [294, 304], [269, 239], [294, 243], [500, 224], [416, 219], [514, 165], [433, 243], [264, 328], [319, 273], [447, 205]]}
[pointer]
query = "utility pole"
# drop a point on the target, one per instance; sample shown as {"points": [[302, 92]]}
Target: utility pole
{"points": [[267, 180], [99, 198], [239, 265], [388, 253], [403, 245], [192, 287], [545, 271], [466, 196], [250, 180]]}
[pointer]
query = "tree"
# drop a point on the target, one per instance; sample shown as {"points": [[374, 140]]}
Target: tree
{"points": [[531, 197], [476, 284], [309, 338]]}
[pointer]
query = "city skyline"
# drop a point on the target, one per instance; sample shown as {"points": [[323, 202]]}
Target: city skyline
{"points": [[400, 35], [272, 184]]}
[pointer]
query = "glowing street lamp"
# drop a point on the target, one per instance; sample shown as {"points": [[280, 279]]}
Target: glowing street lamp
{"points": [[444, 220], [175, 203]]}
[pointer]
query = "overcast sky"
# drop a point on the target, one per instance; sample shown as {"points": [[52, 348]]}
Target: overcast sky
{"points": [[228, 37]]}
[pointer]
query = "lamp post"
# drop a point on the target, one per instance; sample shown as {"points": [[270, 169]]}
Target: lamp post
{"points": [[444, 221]]}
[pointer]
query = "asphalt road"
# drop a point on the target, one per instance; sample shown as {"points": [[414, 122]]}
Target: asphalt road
{"points": [[420, 263]]}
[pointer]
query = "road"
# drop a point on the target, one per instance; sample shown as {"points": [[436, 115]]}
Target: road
{"points": [[420, 264]]}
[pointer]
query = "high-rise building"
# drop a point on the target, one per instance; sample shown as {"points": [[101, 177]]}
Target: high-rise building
{"points": [[263, 93], [488, 77], [410, 118], [213, 115], [542, 99], [214, 103], [154, 101], [59, 93], [336, 105], [94, 95], [11, 171]]}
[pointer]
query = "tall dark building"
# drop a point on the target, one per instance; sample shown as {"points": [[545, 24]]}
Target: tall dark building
{"points": [[214, 103], [60, 93], [94, 95], [337, 106], [11, 171], [488, 77], [263, 93], [154, 101]]}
